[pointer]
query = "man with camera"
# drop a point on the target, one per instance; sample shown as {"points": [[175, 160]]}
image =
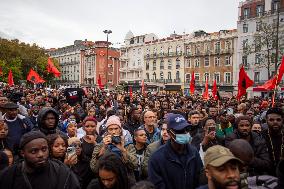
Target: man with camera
{"points": [[114, 141]]}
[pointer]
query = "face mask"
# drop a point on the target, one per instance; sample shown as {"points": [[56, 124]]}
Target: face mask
{"points": [[183, 138]]}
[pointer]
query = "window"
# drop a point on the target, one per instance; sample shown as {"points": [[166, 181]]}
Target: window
{"points": [[177, 63], [187, 78], [245, 60], [257, 59], [197, 49], [170, 64], [147, 65], [155, 51], [227, 77], [138, 62], [217, 77], [227, 60], [197, 63], [228, 45], [139, 51], [169, 75], [245, 44], [217, 47], [217, 61], [246, 13], [197, 76], [154, 65], [154, 76], [188, 50], [133, 63], [206, 76], [245, 28], [162, 51], [162, 75], [256, 76], [259, 10], [147, 76], [206, 61], [258, 26], [109, 65], [170, 50], [187, 63], [179, 50], [162, 65], [148, 52], [177, 75], [133, 52]]}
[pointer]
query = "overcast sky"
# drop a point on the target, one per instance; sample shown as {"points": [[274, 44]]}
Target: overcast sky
{"points": [[57, 23]]}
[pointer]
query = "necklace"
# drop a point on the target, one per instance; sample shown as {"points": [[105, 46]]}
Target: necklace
{"points": [[282, 146]]}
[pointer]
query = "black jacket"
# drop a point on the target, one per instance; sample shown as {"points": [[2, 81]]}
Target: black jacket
{"points": [[59, 177], [261, 162]]}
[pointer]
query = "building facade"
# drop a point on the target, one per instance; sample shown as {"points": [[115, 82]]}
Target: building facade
{"points": [[69, 59], [260, 22], [95, 65], [132, 59], [164, 63], [211, 56]]}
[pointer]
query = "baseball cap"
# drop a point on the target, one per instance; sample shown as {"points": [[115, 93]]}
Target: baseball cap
{"points": [[218, 155], [176, 122]]}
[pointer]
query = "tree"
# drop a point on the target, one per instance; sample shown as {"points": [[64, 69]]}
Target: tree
{"points": [[264, 46]]}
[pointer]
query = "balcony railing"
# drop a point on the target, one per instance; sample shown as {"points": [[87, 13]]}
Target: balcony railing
{"points": [[177, 80], [169, 80]]}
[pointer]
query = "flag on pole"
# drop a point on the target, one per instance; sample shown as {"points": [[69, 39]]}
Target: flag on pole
{"points": [[270, 84], [281, 71], [100, 83], [52, 69], [34, 77], [142, 87], [244, 83], [214, 90], [192, 83], [130, 91], [10, 78], [206, 93]]}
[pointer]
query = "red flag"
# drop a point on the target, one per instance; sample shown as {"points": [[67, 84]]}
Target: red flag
{"points": [[281, 71], [34, 77], [206, 93], [10, 78], [100, 83], [192, 83], [52, 69], [244, 83], [130, 91], [142, 87], [270, 84], [214, 90]]}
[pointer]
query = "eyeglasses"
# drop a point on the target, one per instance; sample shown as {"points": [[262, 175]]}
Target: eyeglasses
{"points": [[76, 145]]}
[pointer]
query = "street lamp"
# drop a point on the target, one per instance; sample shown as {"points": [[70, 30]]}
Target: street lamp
{"points": [[107, 32], [277, 2]]}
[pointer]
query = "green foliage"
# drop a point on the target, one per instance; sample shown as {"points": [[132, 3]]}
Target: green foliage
{"points": [[20, 58]]}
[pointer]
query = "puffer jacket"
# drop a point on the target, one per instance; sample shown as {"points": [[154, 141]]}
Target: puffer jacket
{"points": [[261, 162]]}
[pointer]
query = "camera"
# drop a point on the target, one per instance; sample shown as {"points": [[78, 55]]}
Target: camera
{"points": [[116, 139]]}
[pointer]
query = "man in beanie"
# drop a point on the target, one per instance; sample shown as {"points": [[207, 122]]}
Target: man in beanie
{"points": [[176, 164], [114, 141], [221, 168], [36, 170]]}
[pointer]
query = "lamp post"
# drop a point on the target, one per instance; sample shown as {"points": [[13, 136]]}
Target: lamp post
{"points": [[277, 33], [107, 32]]}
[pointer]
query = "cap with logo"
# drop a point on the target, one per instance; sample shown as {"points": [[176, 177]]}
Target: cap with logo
{"points": [[176, 122], [218, 155]]}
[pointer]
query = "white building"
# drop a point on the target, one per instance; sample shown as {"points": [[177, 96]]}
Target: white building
{"points": [[252, 13], [132, 58]]}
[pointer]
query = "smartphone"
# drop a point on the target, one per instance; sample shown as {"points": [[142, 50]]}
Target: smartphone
{"points": [[211, 128], [71, 150]]}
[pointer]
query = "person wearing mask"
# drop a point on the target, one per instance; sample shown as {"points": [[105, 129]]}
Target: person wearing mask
{"points": [[274, 137], [221, 169], [18, 125], [151, 148], [91, 138], [149, 122], [140, 145], [261, 162], [112, 174], [82, 167], [115, 141], [176, 164], [58, 144], [36, 167]]}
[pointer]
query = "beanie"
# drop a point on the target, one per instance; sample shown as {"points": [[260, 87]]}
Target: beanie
{"points": [[28, 137], [113, 120]]}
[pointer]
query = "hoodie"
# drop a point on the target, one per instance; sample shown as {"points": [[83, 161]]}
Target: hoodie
{"points": [[40, 120]]}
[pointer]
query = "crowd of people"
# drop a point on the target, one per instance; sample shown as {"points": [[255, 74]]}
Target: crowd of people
{"points": [[87, 138]]}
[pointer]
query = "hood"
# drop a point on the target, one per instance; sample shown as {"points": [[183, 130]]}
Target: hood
{"points": [[41, 115]]}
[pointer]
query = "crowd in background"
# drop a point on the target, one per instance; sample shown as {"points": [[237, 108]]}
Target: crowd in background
{"points": [[87, 138]]}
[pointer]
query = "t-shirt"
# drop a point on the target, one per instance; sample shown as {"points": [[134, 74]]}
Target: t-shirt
{"points": [[74, 95]]}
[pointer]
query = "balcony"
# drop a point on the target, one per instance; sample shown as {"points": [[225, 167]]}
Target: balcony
{"points": [[177, 80], [147, 80], [161, 80], [123, 69], [169, 80], [187, 54], [154, 80]]}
